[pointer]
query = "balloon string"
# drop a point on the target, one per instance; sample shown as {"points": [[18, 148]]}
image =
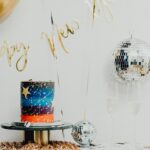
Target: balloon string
{"points": [[57, 73], [50, 42], [88, 76], [85, 114], [106, 5], [86, 93], [61, 42]]}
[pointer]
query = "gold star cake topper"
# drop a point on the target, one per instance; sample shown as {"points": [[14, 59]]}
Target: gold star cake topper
{"points": [[25, 92]]}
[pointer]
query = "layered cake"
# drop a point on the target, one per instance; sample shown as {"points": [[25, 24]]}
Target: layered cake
{"points": [[37, 102]]}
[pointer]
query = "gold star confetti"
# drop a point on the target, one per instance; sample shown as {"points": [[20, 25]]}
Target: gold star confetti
{"points": [[25, 92]]}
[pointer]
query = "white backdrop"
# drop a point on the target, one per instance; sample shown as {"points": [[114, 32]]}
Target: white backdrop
{"points": [[91, 46]]}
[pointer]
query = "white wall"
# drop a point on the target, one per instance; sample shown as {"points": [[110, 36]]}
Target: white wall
{"points": [[91, 45]]}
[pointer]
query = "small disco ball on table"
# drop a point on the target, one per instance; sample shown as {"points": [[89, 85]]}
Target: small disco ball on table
{"points": [[84, 133]]}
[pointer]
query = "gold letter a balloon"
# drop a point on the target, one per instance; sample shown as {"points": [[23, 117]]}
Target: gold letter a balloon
{"points": [[6, 7]]}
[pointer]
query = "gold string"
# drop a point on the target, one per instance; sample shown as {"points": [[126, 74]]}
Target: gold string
{"points": [[106, 5], [51, 43], [63, 34], [3, 49], [70, 29], [61, 42], [26, 49], [10, 52], [25, 63]]}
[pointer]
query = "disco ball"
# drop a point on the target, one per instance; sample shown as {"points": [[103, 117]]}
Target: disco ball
{"points": [[84, 133], [132, 59]]}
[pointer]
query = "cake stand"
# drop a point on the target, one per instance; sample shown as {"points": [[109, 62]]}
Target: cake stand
{"points": [[36, 134]]}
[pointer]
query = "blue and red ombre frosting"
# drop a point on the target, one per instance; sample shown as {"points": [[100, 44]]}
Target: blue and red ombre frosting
{"points": [[37, 101]]}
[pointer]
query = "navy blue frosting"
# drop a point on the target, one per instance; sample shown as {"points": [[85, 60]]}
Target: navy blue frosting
{"points": [[39, 98]]}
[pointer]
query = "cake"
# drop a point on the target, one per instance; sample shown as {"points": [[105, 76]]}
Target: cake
{"points": [[37, 102]]}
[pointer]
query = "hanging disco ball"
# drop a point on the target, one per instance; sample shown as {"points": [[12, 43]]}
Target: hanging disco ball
{"points": [[84, 133], [132, 59]]}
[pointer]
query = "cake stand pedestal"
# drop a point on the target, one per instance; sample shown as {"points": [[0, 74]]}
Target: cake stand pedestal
{"points": [[36, 134]]}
